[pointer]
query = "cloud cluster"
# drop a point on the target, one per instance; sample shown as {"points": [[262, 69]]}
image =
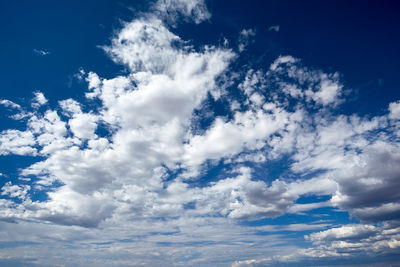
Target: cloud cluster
{"points": [[344, 243], [172, 10]]}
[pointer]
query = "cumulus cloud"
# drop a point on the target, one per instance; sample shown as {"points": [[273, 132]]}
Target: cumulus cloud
{"points": [[347, 232], [15, 191], [38, 100], [354, 239], [394, 109], [17, 142]]}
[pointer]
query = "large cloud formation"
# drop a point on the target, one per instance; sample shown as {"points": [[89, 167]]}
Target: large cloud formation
{"points": [[127, 179]]}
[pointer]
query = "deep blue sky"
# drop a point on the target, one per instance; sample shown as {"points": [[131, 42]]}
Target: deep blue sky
{"points": [[360, 39]]}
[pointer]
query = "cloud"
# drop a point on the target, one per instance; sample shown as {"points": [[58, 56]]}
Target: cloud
{"points": [[41, 52], [274, 28], [358, 238], [152, 119], [342, 245], [245, 38], [156, 81], [311, 85], [172, 10], [9, 104], [17, 142], [15, 191], [394, 109], [348, 232], [38, 100]]}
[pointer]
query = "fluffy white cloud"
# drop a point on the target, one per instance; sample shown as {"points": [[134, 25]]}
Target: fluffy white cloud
{"points": [[83, 125], [248, 130], [15, 191], [358, 238], [17, 142], [38, 100], [394, 109], [148, 113], [344, 233], [70, 106]]}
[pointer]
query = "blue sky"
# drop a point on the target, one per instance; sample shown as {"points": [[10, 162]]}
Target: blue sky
{"points": [[199, 133]]}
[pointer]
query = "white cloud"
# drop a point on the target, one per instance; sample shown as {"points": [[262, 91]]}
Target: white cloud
{"points": [[22, 114], [38, 100], [17, 142], [394, 109], [150, 120], [224, 139], [15, 191], [282, 60], [9, 104], [172, 10], [145, 46], [41, 52], [83, 125], [357, 238], [311, 85], [344, 233], [327, 93], [245, 38], [70, 107], [274, 28]]}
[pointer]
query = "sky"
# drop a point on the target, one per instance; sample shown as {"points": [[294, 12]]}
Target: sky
{"points": [[199, 133]]}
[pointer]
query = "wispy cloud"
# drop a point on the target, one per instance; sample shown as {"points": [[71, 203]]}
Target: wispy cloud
{"points": [[274, 28], [9, 104], [41, 52], [245, 37]]}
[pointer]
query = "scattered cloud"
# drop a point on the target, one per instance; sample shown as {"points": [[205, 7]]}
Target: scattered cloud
{"points": [[245, 37], [9, 104], [38, 100], [15, 191], [41, 52], [17, 142], [274, 28], [172, 10], [394, 109]]}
